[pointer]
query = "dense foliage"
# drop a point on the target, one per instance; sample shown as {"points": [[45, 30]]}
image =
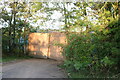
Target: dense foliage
{"points": [[97, 52], [18, 45]]}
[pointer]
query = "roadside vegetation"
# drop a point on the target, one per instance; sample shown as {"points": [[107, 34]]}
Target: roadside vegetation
{"points": [[95, 52], [13, 58]]}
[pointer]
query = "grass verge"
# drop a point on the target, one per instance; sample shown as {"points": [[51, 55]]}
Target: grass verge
{"points": [[13, 58]]}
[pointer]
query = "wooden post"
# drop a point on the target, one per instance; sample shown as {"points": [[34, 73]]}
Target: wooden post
{"points": [[48, 54]]}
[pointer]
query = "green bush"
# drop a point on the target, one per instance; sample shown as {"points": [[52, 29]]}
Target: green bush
{"points": [[98, 52]]}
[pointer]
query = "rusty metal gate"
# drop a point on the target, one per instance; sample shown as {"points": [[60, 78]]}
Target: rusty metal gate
{"points": [[42, 45]]}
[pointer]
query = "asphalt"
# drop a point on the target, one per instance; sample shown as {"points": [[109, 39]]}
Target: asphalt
{"points": [[33, 68]]}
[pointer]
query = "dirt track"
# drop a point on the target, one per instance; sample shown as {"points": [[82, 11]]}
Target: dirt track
{"points": [[33, 68]]}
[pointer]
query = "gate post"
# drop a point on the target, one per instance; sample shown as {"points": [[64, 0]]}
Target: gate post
{"points": [[48, 53]]}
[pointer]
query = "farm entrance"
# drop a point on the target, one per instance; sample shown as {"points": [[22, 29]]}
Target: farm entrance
{"points": [[42, 45]]}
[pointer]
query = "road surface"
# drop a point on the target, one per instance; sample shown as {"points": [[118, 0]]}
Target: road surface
{"points": [[33, 68]]}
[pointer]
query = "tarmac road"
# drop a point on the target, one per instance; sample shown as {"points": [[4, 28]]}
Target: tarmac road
{"points": [[33, 68]]}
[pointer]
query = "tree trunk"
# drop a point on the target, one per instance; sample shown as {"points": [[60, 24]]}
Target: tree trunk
{"points": [[10, 36], [14, 14]]}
